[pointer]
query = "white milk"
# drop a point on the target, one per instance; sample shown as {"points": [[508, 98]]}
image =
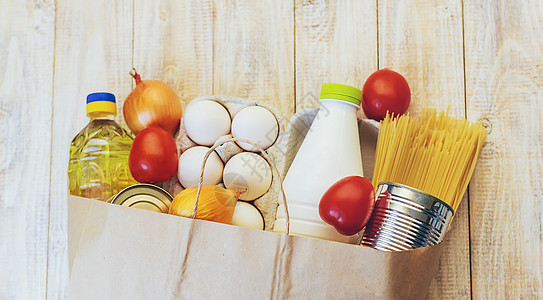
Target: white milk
{"points": [[329, 152]]}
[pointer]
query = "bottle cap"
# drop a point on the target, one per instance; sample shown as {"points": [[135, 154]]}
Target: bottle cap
{"points": [[341, 92], [101, 102]]}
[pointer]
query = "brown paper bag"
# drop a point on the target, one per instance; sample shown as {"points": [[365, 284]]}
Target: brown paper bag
{"points": [[125, 253]]}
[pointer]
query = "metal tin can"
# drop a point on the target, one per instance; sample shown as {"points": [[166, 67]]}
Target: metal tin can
{"points": [[406, 218], [144, 196]]}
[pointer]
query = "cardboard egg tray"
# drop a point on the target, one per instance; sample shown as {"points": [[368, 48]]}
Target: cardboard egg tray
{"points": [[267, 203]]}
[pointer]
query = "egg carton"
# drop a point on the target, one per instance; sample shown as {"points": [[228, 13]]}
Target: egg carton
{"points": [[267, 203]]}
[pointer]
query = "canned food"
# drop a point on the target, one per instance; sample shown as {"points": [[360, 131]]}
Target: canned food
{"points": [[406, 218], [144, 196]]}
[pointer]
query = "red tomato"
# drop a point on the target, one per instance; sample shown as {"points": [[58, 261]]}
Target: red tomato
{"points": [[385, 90], [347, 204], [153, 156]]}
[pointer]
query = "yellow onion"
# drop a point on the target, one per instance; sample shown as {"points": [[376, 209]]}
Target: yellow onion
{"points": [[152, 102], [214, 203]]}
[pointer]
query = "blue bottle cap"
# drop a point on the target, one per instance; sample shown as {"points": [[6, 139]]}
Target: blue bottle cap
{"points": [[102, 96]]}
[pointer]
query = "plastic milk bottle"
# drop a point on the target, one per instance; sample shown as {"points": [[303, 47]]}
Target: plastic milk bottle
{"points": [[329, 152]]}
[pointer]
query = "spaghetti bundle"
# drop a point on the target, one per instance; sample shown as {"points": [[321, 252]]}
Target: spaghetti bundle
{"points": [[434, 153]]}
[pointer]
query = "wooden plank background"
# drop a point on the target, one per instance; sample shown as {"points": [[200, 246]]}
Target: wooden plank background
{"points": [[481, 59], [27, 32]]}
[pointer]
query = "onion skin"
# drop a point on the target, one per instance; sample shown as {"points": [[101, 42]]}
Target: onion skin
{"points": [[214, 204], [152, 103]]}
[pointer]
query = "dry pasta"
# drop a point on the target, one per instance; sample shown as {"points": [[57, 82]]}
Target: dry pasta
{"points": [[434, 153]]}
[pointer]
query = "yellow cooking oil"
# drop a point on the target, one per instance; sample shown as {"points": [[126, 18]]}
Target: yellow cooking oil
{"points": [[98, 166]]}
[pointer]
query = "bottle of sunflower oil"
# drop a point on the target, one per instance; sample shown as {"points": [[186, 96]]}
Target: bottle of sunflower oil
{"points": [[98, 166]]}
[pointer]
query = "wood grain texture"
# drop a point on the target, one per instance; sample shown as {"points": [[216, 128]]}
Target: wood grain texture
{"points": [[504, 63], [423, 41], [253, 53], [26, 80], [93, 52], [173, 42], [336, 41]]}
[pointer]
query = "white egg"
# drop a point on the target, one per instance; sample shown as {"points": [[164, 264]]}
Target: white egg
{"points": [[257, 124], [249, 171], [205, 121], [248, 216], [190, 167]]}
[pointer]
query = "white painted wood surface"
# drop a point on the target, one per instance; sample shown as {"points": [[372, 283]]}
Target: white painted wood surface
{"points": [[253, 53], [483, 60], [173, 42], [336, 41], [26, 81], [504, 86]]}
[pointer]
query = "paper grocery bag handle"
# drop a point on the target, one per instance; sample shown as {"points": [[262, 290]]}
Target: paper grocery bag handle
{"points": [[266, 156]]}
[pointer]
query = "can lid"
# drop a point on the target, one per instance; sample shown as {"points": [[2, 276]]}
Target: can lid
{"points": [[101, 102], [341, 92], [144, 196]]}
